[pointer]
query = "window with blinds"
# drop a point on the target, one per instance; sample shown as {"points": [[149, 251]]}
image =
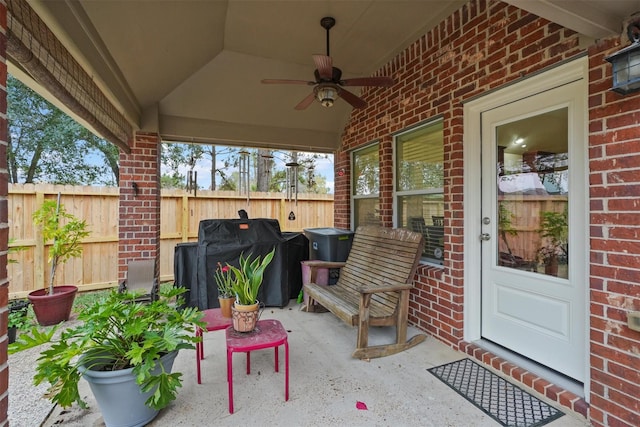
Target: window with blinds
{"points": [[366, 186], [419, 183]]}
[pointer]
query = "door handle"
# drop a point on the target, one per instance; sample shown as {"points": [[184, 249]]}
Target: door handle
{"points": [[485, 236]]}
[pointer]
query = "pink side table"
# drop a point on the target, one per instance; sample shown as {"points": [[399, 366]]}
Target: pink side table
{"points": [[215, 322], [268, 333]]}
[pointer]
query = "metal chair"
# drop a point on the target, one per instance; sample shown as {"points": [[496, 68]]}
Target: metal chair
{"points": [[141, 276]]}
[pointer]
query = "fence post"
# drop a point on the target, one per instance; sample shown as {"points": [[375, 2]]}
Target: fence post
{"points": [[282, 213], [39, 255], [185, 218]]}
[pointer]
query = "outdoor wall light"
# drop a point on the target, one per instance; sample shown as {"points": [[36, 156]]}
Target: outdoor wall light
{"points": [[626, 63], [326, 95]]}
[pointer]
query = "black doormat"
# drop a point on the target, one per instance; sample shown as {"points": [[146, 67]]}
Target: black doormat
{"points": [[504, 402]]}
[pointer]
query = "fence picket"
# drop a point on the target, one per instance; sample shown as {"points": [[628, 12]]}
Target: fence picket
{"points": [[180, 215]]}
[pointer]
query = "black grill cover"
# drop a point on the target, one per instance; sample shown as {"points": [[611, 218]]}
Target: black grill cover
{"points": [[222, 241]]}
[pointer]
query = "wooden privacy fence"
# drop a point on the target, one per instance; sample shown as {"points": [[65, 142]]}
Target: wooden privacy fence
{"points": [[525, 218], [180, 215]]}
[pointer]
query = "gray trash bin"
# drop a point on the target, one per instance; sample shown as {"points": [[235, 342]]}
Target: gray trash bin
{"points": [[329, 244]]}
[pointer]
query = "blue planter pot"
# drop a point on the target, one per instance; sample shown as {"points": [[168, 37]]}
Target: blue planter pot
{"points": [[121, 402]]}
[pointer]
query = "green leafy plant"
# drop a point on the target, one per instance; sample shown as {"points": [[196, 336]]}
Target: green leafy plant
{"points": [[554, 229], [116, 333], [12, 250], [65, 239], [248, 277], [504, 223], [19, 318], [224, 280]]}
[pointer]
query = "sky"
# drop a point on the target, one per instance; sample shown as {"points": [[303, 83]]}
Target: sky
{"points": [[324, 167]]}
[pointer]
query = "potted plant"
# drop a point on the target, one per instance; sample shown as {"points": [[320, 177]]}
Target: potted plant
{"points": [[247, 279], [224, 281], [124, 349], [554, 231], [52, 304], [17, 318]]}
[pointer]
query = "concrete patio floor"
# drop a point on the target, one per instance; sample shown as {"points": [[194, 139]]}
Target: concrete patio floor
{"points": [[325, 385]]}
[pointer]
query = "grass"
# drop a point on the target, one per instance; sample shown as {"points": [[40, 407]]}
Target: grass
{"points": [[86, 299]]}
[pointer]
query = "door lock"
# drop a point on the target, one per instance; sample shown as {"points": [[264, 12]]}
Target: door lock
{"points": [[485, 236]]}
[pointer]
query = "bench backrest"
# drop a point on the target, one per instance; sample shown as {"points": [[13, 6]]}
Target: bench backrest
{"points": [[381, 256]]}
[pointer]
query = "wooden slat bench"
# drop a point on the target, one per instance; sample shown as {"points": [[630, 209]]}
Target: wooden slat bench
{"points": [[373, 286]]}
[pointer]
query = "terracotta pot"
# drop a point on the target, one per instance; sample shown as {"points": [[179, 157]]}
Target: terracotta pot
{"points": [[55, 308], [225, 305], [245, 317]]}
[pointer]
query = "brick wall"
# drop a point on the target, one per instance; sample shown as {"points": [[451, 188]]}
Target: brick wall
{"points": [[614, 191], [482, 46], [139, 224]]}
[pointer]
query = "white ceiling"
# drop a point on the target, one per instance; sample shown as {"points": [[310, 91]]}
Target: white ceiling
{"points": [[191, 69]]}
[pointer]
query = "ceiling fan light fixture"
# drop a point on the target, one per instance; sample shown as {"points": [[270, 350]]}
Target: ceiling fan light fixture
{"points": [[328, 83], [326, 95]]}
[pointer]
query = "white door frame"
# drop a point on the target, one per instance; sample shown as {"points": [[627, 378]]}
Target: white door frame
{"points": [[562, 74]]}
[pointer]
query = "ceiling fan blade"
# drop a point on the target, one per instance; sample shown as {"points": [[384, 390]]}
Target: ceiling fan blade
{"points": [[355, 101], [369, 81], [324, 65], [306, 101], [287, 82]]}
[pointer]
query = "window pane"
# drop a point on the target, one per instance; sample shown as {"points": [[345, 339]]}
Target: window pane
{"points": [[425, 214], [533, 194], [419, 185], [366, 212], [420, 159], [366, 171]]}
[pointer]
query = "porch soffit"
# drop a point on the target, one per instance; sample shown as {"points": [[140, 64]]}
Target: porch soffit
{"points": [[191, 70], [35, 51]]}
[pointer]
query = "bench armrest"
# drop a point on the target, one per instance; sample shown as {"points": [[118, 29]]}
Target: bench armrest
{"points": [[395, 287], [324, 264]]}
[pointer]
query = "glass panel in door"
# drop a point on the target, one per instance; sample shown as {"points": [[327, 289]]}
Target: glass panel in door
{"points": [[533, 194]]}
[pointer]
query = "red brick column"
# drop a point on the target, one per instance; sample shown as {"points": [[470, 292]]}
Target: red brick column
{"points": [[342, 188], [4, 222], [139, 226]]}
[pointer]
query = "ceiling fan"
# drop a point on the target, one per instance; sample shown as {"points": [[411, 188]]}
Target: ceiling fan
{"points": [[328, 84]]}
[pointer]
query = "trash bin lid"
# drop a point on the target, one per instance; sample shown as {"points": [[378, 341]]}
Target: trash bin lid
{"points": [[327, 231]]}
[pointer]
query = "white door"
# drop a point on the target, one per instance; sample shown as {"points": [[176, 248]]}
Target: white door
{"points": [[533, 213]]}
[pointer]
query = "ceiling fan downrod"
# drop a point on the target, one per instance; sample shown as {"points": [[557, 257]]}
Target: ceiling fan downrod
{"points": [[327, 23]]}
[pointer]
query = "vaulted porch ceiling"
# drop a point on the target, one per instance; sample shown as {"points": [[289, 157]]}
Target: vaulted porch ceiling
{"points": [[191, 70]]}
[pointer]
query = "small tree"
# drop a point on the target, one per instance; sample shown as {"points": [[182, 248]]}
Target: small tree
{"points": [[65, 239], [504, 224], [554, 227]]}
